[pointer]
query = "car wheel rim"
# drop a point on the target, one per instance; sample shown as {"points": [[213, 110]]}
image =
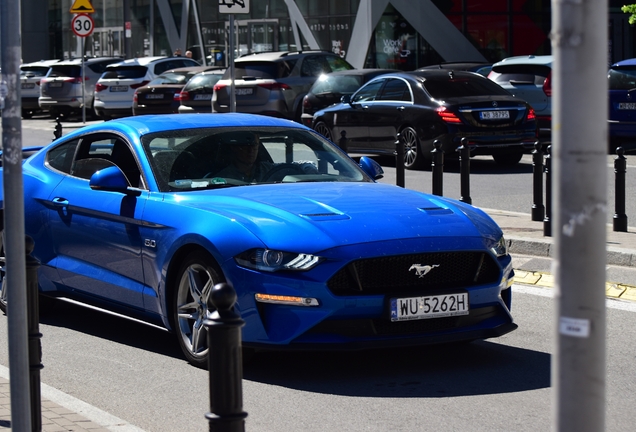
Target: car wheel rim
{"points": [[192, 310], [323, 130], [410, 146]]}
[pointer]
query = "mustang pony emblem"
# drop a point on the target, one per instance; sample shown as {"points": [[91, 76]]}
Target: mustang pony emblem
{"points": [[422, 270]]}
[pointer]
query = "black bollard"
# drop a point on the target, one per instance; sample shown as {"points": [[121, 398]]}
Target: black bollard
{"points": [[464, 171], [342, 142], [538, 210], [57, 132], [34, 339], [399, 161], [225, 362], [437, 168], [620, 168], [547, 222]]}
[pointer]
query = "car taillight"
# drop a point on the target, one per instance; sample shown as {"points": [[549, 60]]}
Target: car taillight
{"points": [[547, 85], [447, 116], [306, 103], [184, 96], [218, 87], [135, 98], [77, 80], [141, 84], [99, 87], [531, 114], [177, 96], [275, 86]]}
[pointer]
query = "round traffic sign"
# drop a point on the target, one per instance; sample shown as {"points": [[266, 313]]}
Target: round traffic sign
{"points": [[82, 25]]}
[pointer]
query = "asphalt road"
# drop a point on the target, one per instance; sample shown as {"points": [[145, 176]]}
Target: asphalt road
{"points": [[136, 373]]}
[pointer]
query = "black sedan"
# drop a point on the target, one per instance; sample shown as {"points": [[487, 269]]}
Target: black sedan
{"points": [[162, 94], [424, 106], [329, 89]]}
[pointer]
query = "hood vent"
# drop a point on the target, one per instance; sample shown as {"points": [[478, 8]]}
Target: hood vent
{"points": [[436, 210], [325, 216]]}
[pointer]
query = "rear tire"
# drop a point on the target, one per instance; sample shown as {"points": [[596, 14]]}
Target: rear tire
{"points": [[413, 155], [26, 114], [508, 159], [324, 130]]}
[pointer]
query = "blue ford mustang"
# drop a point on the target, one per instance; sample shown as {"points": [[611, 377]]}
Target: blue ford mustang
{"points": [[144, 215]]}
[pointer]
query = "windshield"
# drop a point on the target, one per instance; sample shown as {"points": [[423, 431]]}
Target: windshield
{"points": [[171, 78], [196, 159], [622, 78]]}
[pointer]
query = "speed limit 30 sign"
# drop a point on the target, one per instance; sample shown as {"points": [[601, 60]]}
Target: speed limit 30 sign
{"points": [[82, 25]]}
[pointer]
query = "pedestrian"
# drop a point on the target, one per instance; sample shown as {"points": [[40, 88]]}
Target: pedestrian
{"points": [[177, 52], [188, 54]]}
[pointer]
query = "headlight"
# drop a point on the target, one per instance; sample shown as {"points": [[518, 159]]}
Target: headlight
{"points": [[272, 260], [500, 248]]}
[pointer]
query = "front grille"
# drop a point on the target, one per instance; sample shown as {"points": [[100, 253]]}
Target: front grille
{"points": [[399, 274]]}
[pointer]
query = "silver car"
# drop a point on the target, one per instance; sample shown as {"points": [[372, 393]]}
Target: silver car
{"points": [[274, 83], [61, 88], [30, 76]]}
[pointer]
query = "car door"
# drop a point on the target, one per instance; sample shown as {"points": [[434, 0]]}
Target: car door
{"points": [[385, 114], [354, 117], [95, 232]]}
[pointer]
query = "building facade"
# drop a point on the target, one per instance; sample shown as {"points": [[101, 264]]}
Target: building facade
{"points": [[398, 34]]}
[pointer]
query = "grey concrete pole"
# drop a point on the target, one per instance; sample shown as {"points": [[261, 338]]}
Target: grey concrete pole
{"points": [[231, 57], [15, 265], [579, 160]]}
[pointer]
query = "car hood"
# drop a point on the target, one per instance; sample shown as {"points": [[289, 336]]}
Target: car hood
{"points": [[327, 215]]}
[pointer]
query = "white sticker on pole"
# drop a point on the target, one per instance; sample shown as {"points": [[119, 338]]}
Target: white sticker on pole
{"points": [[574, 327]]}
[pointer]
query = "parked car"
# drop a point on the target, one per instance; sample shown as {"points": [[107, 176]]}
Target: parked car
{"points": [[274, 83], [529, 78], [622, 105], [67, 87], [429, 105], [329, 89], [30, 76], [482, 68], [196, 96], [143, 216], [162, 94], [115, 88]]}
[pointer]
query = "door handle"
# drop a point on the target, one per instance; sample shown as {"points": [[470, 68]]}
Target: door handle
{"points": [[60, 202], [400, 108], [365, 107]]}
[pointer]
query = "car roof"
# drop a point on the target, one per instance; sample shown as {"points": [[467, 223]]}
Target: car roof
{"points": [[46, 63], [78, 61], [457, 65], [145, 124], [139, 61], [277, 55], [196, 69], [531, 59], [361, 71], [626, 62]]}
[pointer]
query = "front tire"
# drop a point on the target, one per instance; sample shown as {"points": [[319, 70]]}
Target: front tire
{"points": [[197, 276]]}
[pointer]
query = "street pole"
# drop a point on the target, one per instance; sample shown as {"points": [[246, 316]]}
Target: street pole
{"points": [[579, 159], [14, 247], [231, 56]]}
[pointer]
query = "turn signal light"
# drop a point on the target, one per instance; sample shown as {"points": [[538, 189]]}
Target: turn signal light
{"points": [[283, 299]]}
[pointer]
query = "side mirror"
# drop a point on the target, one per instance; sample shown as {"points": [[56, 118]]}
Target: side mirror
{"points": [[371, 168], [346, 99], [109, 179]]}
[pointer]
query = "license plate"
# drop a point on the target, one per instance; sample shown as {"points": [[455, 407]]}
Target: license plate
{"points": [[627, 106], [435, 306], [118, 88], [28, 85], [244, 91], [494, 115], [154, 96], [55, 84], [203, 97]]}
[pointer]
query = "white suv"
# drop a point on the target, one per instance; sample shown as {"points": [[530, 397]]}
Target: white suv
{"points": [[115, 89], [61, 88], [30, 76]]}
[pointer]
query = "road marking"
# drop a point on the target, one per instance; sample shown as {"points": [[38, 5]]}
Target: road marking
{"points": [[547, 292]]}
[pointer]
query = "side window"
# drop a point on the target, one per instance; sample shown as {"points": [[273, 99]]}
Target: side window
{"points": [[395, 90], [61, 157], [338, 64], [98, 152], [368, 92], [314, 66]]}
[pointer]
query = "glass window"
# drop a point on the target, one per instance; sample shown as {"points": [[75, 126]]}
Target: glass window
{"points": [[338, 64], [124, 72], [368, 92], [61, 157], [395, 90], [623, 78], [314, 65], [444, 88]]}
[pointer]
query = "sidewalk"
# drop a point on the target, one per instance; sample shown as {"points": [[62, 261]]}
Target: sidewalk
{"points": [[531, 252]]}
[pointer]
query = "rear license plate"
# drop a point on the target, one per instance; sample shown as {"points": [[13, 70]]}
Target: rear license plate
{"points": [[154, 96], [118, 88], [203, 97], [244, 91], [55, 84], [494, 115], [28, 85], [435, 306], [627, 106]]}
